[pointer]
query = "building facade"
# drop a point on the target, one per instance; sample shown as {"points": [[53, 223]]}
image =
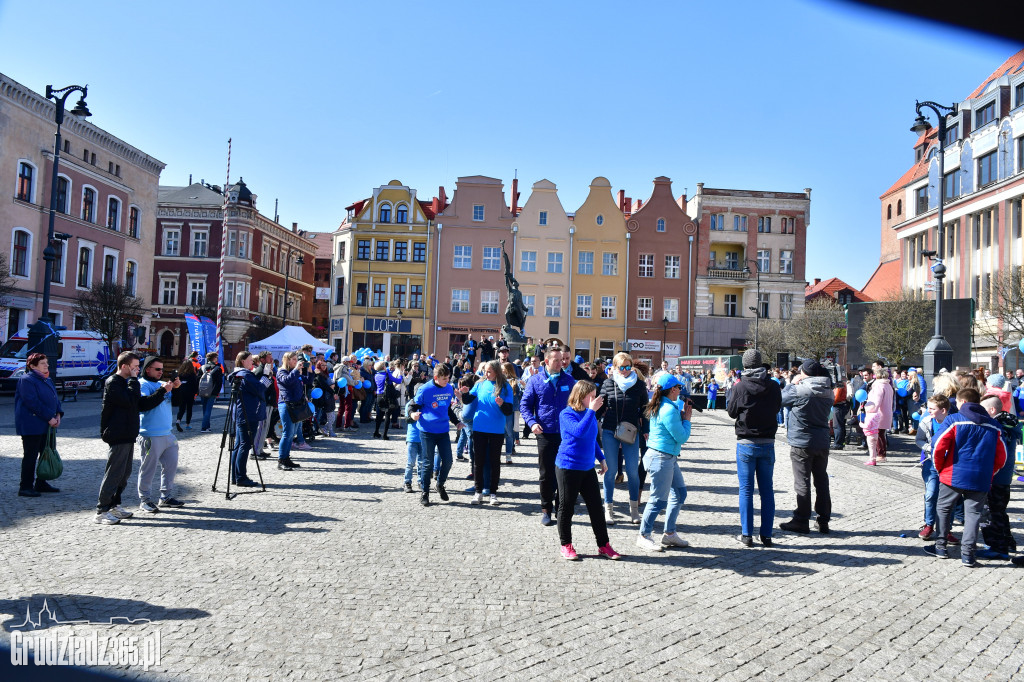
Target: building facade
{"points": [[106, 204], [750, 261], [320, 322]]}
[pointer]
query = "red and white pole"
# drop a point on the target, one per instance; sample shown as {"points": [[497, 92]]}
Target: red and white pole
{"points": [[223, 255]]}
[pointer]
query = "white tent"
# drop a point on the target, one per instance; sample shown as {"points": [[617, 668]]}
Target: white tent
{"points": [[290, 338]]}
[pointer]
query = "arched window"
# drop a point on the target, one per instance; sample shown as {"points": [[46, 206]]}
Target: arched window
{"points": [[385, 213], [888, 212], [84, 267], [114, 214], [133, 221], [661, 224], [26, 181], [21, 247], [88, 204], [899, 207], [402, 214], [131, 269]]}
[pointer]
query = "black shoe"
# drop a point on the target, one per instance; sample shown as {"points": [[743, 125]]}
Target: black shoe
{"points": [[408, 487], [936, 551], [1018, 561], [264, 454], [745, 540], [441, 492], [822, 526], [425, 498], [254, 456], [178, 426], [283, 465], [28, 492], [795, 526], [385, 437], [767, 542], [247, 483], [293, 465], [376, 434], [44, 487]]}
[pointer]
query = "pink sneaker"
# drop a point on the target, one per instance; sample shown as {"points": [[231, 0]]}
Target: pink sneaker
{"points": [[607, 551], [870, 463], [301, 446], [569, 553]]}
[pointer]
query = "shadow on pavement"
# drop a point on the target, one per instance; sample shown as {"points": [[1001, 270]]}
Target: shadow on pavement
{"points": [[28, 613], [232, 519]]}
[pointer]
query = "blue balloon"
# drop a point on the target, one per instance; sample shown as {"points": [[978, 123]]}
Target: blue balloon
{"points": [[331, 376], [1020, 346], [902, 383], [317, 393], [342, 382], [901, 392], [861, 395], [367, 384], [916, 416], [311, 408]]}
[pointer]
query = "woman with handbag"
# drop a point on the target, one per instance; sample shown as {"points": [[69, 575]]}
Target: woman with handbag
{"points": [[36, 412], [291, 401], [625, 397]]}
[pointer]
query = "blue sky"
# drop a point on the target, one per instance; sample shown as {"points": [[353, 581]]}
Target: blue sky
{"points": [[325, 100]]}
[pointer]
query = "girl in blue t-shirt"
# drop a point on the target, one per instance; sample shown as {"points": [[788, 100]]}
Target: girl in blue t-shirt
{"points": [[493, 398]]}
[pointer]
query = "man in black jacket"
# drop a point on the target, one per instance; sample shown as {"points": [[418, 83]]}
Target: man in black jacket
{"points": [[119, 427], [754, 403]]}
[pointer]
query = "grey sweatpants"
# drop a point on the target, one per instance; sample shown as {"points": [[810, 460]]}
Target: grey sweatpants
{"points": [[162, 450], [115, 476]]}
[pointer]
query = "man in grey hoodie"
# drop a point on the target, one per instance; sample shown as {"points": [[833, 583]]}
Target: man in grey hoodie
{"points": [[809, 399]]}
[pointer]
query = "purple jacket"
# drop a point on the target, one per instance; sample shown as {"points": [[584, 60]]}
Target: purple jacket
{"points": [[384, 376], [544, 400]]}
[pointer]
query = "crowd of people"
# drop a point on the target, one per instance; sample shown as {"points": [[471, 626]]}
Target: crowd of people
{"points": [[596, 424]]}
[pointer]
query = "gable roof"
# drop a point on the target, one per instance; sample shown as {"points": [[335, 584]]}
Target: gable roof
{"points": [[196, 194], [831, 287], [920, 168], [1011, 65], [322, 240], [887, 278]]}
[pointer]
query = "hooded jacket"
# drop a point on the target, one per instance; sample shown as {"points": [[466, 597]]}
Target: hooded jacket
{"points": [[809, 403], [754, 402], [970, 450]]}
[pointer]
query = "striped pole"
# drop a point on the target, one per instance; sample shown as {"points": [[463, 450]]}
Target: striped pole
{"points": [[223, 254]]}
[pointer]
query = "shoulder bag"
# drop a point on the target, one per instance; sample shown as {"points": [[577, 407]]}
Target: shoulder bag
{"points": [[624, 431], [298, 411]]}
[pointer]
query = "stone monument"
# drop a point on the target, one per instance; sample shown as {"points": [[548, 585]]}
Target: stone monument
{"points": [[513, 331]]}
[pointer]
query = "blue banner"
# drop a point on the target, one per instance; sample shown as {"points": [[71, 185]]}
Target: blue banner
{"points": [[212, 341], [195, 333]]}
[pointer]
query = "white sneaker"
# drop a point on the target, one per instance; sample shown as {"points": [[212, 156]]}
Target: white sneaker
{"points": [[673, 540], [148, 507], [107, 519], [478, 498], [644, 542], [121, 513], [494, 500]]}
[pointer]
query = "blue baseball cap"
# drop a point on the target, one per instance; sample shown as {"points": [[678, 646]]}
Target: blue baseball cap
{"points": [[667, 381]]}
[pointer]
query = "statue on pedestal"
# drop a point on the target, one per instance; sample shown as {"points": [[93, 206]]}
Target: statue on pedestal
{"points": [[515, 311]]}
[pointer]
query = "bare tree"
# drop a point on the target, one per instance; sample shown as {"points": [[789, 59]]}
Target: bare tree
{"points": [[202, 308], [1007, 305], [817, 330], [109, 308], [771, 338], [263, 326], [7, 287], [897, 329]]}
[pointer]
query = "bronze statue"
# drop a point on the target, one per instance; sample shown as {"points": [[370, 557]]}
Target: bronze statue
{"points": [[515, 312]]}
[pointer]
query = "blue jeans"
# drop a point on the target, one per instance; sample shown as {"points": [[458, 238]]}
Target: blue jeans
{"points": [[240, 455], [631, 454], [208, 410], [288, 428], [756, 461], [465, 441], [510, 434], [412, 456], [667, 488], [931, 491], [441, 443]]}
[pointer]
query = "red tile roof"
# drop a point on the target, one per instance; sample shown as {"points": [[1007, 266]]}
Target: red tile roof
{"points": [[919, 169], [323, 243], [1011, 65], [886, 280], [831, 287]]}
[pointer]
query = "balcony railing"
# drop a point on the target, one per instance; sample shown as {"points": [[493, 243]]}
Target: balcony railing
{"points": [[727, 273]]}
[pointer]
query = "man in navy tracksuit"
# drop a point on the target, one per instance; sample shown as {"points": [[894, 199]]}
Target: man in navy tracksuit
{"points": [[967, 455], [545, 396]]}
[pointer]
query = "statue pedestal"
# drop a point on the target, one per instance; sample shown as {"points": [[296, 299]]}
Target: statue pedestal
{"points": [[517, 351]]}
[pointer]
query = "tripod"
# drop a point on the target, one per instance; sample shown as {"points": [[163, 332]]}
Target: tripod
{"points": [[228, 437]]}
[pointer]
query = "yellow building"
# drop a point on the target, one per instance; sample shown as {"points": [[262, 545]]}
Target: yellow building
{"points": [[381, 293], [597, 292]]}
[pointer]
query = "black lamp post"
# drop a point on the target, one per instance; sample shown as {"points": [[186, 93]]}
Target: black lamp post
{"points": [[938, 353], [664, 336], [287, 272], [401, 348], [41, 336], [757, 309]]}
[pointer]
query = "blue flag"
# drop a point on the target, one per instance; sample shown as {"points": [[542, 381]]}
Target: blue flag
{"points": [[195, 333], [212, 342]]}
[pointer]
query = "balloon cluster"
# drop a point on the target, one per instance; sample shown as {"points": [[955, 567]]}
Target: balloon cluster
{"points": [[901, 388], [364, 353]]}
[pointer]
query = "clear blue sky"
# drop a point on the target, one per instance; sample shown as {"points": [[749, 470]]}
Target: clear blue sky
{"points": [[325, 100]]}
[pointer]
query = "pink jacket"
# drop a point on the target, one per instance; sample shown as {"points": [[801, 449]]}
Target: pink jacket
{"points": [[871, 423], [1005, 396], [881, 394]]}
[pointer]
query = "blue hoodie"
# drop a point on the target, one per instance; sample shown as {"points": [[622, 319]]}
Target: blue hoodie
{"points": [[579, 448], [668, 430], [433, 402], [155, 422], [488, 417]]}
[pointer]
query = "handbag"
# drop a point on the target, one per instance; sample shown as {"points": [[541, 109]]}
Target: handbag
{"points": [[298, 411], [49, 466], [624, 432]]}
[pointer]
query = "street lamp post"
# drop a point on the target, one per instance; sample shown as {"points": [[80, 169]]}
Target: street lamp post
{"points": [[40, 335], [401, 348], [938, 353], [287, 272], [756, 309], [664, 336]]}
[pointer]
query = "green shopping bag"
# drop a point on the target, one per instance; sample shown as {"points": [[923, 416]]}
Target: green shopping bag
{"points": [[49, 466]]}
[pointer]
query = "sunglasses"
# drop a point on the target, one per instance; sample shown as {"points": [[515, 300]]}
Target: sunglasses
{"points": [[625, 368]]}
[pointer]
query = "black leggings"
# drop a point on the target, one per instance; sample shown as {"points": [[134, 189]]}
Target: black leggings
{"points": [[186, 409], [571, 484], [386, 416], [487, 451]]}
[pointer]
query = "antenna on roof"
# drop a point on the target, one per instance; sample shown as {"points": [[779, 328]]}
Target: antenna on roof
{"points": [[275, 211], [189, 178], [515, 174]]}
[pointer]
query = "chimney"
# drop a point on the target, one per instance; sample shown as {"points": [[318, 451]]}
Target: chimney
{"points": [[515, 197], [295, 227], [622, 200], [700, 188], [817, 281]]}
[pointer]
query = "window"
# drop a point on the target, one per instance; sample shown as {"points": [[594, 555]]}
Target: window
{"points": [[402, 214], [921, 199], [89, 205], [361, 294], [732, 260], [478, 212], [489, 302], [789, 224], [169, 292], [987, 173], [385, 213], [1020, 154], [600, 220], [952, 133], [712, 260], [463, 257], [363, 249], [730, 305], [899, 207], [542, 218], [110, 269], [671, 309], [419, 252], [401, 252], [114, 214], [383, 249], [341, 250], [586, 263], [529, 300], [57, 271], [610, 264], [133, 222], [717, 221], [606, 348], [416, 296], [644, 309], [339, 291], [19, 253], [460, 300], [951, 185], [645, 265], [1018, 95], [528, 261], [236, 295], [985, 115], [661, 225], [584, 307], [555, 262], [196, 292], [764, 260], [553, 306], [764, 224], [739, 223], [492, 258], [608, 305], [243, 245], [398, 296], [233, 243], [786, 306], [380, 292], [172, 242], [762, 306], [672, 267], [26, 175], [63, 194], [200, 239], [786, 262]]}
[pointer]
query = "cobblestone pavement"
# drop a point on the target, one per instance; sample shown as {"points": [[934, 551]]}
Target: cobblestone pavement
{"points": [[335, 573]]}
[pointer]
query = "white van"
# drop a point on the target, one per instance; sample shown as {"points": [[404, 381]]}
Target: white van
{"points": [[83, 359]]}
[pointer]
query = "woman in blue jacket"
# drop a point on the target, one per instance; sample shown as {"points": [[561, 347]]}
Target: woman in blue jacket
{"points": [[36, 409], [578, 453], [291, 389], [670, 429], [493, 397]]}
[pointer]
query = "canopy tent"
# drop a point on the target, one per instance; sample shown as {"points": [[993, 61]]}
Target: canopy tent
{"points": [[290, 338]]}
